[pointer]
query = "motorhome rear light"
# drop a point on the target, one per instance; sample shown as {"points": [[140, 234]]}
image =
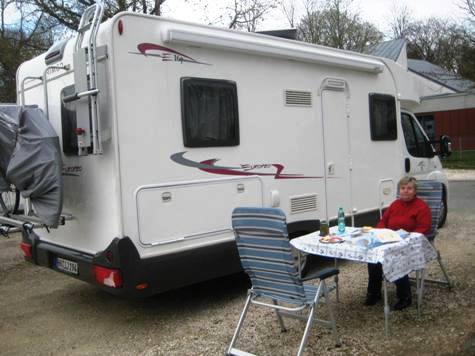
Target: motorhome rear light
{"points": [[108, 276], [79, 131], [141, 286], [120, 27], [27, 250]]}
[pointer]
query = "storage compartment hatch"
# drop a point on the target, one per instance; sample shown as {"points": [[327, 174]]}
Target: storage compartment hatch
{"points": [[169, 213]]}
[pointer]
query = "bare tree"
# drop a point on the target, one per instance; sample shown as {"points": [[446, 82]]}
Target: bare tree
{"points": [[235, 14], [288, 8], [469, 6], [247, 14], [437, 41], [68, 13], [28, 36], [401, 21], [334, 25]]}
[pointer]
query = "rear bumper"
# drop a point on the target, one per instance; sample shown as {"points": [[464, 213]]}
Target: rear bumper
{"points": [[159, 273]]}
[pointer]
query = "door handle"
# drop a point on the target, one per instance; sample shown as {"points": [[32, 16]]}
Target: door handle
{"points": [[407, 165]]}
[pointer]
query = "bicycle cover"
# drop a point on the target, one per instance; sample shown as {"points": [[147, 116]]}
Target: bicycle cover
{"points": [[30, 159]]}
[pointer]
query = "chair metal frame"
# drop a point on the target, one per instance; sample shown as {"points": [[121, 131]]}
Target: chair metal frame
{"points": [[431, 192], [257, 231]]}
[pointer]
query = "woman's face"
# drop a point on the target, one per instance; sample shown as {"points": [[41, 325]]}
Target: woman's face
{"points": [[407, 192]]}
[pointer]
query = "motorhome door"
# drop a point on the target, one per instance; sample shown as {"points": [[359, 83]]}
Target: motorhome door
{"points": [[336, 146], [418, 160]]}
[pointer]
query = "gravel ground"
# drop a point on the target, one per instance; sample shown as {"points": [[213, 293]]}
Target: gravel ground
{"points": [[46, 313]]}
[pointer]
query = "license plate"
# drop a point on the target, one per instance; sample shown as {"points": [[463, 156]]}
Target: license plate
{"points": [[66, 265]]}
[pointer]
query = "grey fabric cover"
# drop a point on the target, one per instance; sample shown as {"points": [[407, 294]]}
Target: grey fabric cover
{"points": [[30, 159]]}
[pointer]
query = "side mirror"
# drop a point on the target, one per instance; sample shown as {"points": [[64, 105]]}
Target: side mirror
{"points": [[445, 149]]}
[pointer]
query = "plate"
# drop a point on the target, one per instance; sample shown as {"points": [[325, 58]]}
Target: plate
{"points": [[355, 233], [331, 240]]}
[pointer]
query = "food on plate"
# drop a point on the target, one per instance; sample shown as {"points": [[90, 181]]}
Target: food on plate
{"points": [[331, 239], [366, 228]]}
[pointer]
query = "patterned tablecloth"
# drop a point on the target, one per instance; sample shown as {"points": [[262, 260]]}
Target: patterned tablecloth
{"points": [[398, 258]]}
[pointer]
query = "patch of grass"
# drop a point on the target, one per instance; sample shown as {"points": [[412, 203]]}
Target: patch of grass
{"points": [[460, 160]]}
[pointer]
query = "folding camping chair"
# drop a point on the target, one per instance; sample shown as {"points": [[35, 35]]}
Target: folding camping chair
{"points": [[431, 192], [266, 256]]}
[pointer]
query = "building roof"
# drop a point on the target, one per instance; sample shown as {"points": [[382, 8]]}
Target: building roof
{"points": [[290, 34], [388, 49], [392, 50], [439, 75]]}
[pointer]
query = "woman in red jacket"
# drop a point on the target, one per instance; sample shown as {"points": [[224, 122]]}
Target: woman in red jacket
{"points": [[411, 214]]}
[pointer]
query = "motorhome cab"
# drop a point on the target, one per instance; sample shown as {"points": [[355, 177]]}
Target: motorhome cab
{"points": [[166, 126]]}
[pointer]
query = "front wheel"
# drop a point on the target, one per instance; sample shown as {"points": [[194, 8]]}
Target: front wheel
{"points": [[9, 201], [443, 212]]}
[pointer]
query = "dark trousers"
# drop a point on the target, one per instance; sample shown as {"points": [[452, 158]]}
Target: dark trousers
{"points": [[375, 280]]}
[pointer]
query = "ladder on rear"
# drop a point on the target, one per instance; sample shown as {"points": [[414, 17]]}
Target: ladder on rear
{"points": [[86, 96]]}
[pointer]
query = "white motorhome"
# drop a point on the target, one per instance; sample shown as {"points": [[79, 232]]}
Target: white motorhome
{"points": [[167, 126]]}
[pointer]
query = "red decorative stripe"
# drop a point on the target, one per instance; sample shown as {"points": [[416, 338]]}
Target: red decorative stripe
{"points": [[144, 47]]}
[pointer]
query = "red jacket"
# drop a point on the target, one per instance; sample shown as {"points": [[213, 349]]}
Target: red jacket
{"points": [[413, 216]]}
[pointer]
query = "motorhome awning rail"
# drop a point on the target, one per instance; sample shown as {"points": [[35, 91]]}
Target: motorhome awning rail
{"points": [[279, 49]]}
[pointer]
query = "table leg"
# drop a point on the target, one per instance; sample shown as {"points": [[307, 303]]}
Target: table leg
{"points": [[418, 291], [336, 283], [386, 308]]}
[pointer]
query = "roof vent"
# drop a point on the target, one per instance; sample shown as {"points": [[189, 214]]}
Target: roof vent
{"points": [[336, 84], [298, 98], [303, 203], [56, 52]]}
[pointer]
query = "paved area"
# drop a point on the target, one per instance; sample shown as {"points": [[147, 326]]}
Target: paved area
{"points": [[460, 174]]}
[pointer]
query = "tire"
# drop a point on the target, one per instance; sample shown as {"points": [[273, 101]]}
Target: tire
{"points": [[443, 212], [10, 201]]}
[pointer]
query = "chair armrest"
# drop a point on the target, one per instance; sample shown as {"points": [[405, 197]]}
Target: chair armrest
{"points": [[321, 273]]}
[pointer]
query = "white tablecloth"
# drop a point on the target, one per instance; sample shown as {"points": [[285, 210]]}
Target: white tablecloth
{"points": [[398, 259]]}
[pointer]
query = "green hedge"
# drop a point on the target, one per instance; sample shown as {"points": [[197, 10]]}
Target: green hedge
{"points": [[460, 160]]}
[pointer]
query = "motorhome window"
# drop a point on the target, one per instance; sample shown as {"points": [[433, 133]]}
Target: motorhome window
{"points": [[68, 123], [382, 114], [416, 142], [209, 112]]}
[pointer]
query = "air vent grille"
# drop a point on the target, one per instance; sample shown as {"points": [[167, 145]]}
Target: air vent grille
{"points": [[303, 203], [335, 84], [298, 98]]}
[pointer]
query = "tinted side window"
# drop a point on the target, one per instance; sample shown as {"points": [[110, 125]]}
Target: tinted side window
{"points": [[416, 142], [409, 135], [209, 112], [382, 115], [69, 123], [428, 124]]}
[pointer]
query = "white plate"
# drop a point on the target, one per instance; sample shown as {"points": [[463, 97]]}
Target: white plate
{"points": [[66, 265]]}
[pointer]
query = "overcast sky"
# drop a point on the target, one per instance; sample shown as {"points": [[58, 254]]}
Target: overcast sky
{"points": [[378, 12]]}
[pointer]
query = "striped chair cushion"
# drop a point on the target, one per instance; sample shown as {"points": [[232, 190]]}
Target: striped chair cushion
{"points": [[431, 192], [266, 256]]}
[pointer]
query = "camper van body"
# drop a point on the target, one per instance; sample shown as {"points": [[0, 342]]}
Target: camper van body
{"points": [[153, 209]]}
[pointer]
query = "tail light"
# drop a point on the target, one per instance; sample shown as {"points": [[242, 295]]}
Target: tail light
{"points": [[108, 276], [27, 250]]}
